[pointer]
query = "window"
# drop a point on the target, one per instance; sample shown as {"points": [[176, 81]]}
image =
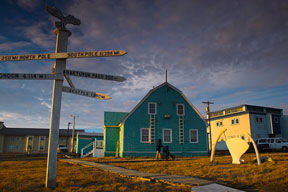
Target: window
{"points": [[99, 144], [152, 108], [258, 119], [219, 123], [144, 135], [276, 119], [42, 138], [193, 136], [235, 121], [167, 135], [180, 109]]}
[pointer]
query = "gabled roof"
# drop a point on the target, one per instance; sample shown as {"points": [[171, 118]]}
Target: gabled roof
{"points": [[158, 87], [31, 131], [113, 118], [89, 134]]}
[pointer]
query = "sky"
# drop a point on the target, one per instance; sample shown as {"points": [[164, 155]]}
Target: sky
{"points": [[230, 52]]}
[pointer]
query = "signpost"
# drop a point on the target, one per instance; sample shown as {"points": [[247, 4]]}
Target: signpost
{"points": [[81, 92], [30, 76], [59, 70], [63, 55], [94, 75]]}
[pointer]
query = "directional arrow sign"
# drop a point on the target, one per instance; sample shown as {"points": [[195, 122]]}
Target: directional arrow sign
{"points": [[94, 75], [30, 76], [85, 93], [67, 55]]}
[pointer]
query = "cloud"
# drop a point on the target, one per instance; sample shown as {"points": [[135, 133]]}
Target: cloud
{"points": [[28, 5], [228, 51], [46, 105], [9, 46], [39, 35]]}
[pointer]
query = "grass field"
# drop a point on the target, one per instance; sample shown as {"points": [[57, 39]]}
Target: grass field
{"points": [[29, 175], [269, 176]]}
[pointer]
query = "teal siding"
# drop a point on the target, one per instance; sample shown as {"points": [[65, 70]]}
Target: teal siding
{"points": [[113, 118], [166, 104], [112, 136], [82, 141]]}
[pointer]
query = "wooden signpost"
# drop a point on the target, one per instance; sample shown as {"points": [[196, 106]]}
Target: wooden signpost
{"points": [[94, 75], [65, 55], [101, 96], [59, 71], [30, 76]]}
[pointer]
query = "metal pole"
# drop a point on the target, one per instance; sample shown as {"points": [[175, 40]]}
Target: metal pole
{"points": [[67, 135], [59, 66], [72, 141]]}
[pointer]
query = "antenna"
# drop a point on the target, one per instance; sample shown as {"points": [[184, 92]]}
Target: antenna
{"points": [[166, 82], [166, 76]]}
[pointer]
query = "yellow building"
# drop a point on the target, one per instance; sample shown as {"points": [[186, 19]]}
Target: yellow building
{"points": [[257, 121], [30, 139]]}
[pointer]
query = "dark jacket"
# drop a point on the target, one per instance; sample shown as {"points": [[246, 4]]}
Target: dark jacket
{"points": [[158, 146]]}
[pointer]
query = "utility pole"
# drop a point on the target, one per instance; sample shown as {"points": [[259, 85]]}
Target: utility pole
{"points": [[209, 123], [72, 139], [67, 135]]}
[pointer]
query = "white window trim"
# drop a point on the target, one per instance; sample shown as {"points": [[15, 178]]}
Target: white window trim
{"points": [[164, 129], [196, 134], [149, 108], [183, 109], [141, 135]]}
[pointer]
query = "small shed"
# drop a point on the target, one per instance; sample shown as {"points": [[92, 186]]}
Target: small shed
{"points": [[85, 140]]}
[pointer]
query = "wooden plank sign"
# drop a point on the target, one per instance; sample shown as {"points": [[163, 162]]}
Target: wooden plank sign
{"points": [[65, 55], [30, 76], [94, 75], [101, 96]]}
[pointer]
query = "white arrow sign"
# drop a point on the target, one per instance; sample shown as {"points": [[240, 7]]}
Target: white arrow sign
{"points": [[94, 75], [66, 55], [30, 76], [85, 93]]}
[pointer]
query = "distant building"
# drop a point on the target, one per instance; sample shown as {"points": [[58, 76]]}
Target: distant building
{"points": [[164, 113], [30, 139], [257, 121]]}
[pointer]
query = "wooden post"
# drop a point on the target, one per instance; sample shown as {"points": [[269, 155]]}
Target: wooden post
{"points": [[72, 139], [59, 66], [209, 123], [117, 149]]}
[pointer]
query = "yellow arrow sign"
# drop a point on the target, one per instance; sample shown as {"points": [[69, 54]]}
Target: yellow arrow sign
{"points": [[82, 92], [66, 55]]}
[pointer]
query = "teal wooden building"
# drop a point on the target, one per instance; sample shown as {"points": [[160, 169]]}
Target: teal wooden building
{"points": [[164, 113]]}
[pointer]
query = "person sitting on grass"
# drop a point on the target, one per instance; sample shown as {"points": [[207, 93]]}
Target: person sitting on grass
{"points": [[167, 154], [158, 149]]}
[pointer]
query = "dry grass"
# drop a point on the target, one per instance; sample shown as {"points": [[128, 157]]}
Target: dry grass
{"points": [[27, 175], [269, 176]]}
